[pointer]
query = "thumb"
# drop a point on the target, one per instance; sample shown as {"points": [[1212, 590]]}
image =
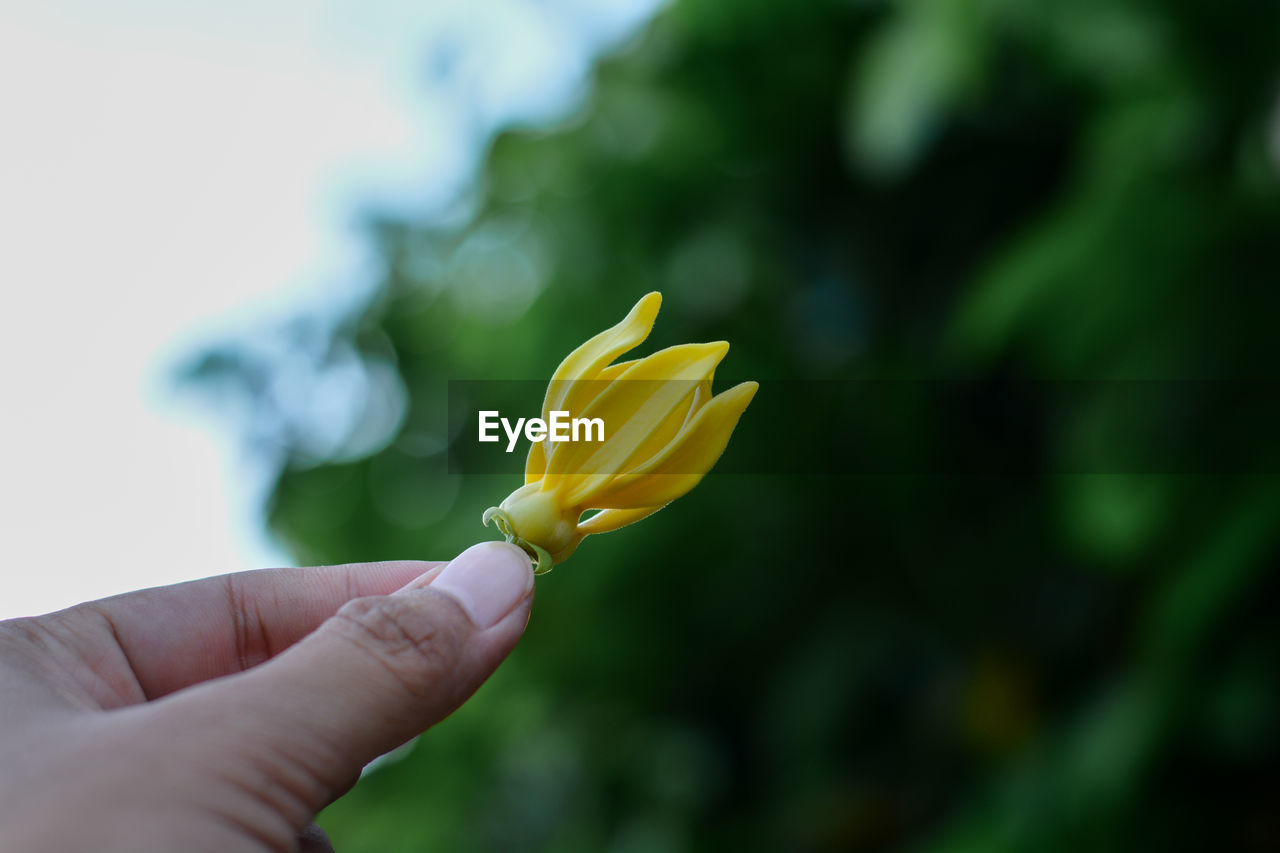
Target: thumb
{"points": [[380, 671]]}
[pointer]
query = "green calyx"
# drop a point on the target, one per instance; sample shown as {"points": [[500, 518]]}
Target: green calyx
{"points": [[538, 555]]}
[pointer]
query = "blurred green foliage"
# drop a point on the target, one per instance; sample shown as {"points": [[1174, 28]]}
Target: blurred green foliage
{"points": [[929, 188]]}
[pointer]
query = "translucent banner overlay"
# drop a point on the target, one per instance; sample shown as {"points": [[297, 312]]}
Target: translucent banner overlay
{"points": [[885, 427]]}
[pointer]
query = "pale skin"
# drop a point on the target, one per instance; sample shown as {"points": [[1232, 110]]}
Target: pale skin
{"points": [[223, 714]]}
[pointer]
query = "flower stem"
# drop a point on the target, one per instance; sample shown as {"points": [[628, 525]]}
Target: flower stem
{"points": [[542, 562]]}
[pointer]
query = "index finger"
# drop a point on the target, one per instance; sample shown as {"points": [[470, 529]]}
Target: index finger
{"points": [[175, 636]]}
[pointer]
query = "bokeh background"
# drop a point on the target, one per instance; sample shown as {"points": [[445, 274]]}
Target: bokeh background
{"points": [[998, 191]]}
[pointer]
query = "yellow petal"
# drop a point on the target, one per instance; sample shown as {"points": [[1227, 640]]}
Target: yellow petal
{"points": [[645, 373], [589, 359], [633, 407], [613, 371], [607, 520], [684, 462], [535, 465], [686, 362], [700, 398], [659, 437], [583, 393], [586, 361]]}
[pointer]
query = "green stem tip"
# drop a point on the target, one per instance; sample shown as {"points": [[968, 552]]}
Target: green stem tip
{"points": [[538, 555]]}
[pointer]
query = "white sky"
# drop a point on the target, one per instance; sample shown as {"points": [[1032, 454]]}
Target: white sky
{"points": [[172, 171]]}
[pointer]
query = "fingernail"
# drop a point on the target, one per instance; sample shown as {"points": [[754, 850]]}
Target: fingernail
{"points": [[488, 580]]}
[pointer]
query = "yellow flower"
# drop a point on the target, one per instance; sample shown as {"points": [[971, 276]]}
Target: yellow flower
{"points": [[663, 430]]}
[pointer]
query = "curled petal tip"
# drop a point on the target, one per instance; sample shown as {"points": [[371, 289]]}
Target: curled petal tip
{"points": [[645, 310]]}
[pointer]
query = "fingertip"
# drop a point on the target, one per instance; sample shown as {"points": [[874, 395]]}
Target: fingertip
{"points": [[489, 580]]}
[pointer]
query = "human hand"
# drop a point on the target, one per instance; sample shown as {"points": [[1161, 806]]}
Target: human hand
{"points": [[222, 714]]}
